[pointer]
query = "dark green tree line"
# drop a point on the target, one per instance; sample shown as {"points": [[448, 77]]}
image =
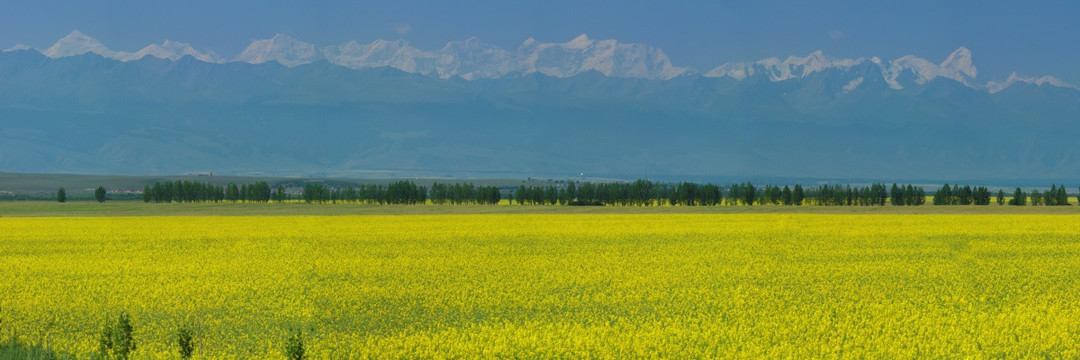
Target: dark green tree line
{"points": [[966, 195], [846, 195], [186, 191], [398, 193], [466, 193]]}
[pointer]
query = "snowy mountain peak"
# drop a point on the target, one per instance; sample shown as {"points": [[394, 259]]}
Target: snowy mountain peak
{"points": [[380, 53], [77, 43], [960, 62], [281, 48], [580, 42], [777, 70], [474, 59], [171, 50], [608, 57], [380, 43], [958, 66], [905, 71], [472, 43], [995, 87], [18, 47]]}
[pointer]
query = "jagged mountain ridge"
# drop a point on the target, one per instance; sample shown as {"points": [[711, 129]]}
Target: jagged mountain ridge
{"points": [[77, 43], [89, 114], [473, 59]]}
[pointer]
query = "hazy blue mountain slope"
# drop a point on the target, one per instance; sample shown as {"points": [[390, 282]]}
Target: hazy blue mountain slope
{"points": [[89, 114]]}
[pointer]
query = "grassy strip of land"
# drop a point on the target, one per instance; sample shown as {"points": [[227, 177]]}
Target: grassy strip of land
{"points": [[54, 209]]}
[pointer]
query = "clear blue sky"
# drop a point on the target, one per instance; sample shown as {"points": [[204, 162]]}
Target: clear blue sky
{"points": [[1032, 38]]}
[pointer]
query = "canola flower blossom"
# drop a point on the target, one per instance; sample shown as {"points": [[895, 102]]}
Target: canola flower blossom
{"points": [[551, 286]]}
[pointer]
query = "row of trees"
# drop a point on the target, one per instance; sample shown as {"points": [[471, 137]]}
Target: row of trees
{"points": [[196, 191], [906, 195], [466, 193], [183, 191], [400, 192], [637, 193], [1054, 197], [966, 195], [840, 195], [649, 193], [257, 192]]}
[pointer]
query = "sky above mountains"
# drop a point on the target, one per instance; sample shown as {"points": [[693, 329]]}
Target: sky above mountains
{"points": [[1028, 38]]}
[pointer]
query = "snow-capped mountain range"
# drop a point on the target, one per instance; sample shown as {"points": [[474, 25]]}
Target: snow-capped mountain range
{"points": [[77, 43], [958, 66], [473, 59], [583, 106]]}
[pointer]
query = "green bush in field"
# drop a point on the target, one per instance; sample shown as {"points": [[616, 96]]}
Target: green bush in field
{"points": [[185, 340], [116, 340], [294, 348]]}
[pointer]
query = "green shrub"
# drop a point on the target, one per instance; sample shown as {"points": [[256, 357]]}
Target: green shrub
{"points": [[185, 339], [294, 348], [116, 340]]}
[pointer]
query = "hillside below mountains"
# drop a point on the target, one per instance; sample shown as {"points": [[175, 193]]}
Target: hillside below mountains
{"points": [[102, 112]]}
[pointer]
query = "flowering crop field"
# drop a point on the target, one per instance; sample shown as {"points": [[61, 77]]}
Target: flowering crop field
{"points": [[551, 286]]}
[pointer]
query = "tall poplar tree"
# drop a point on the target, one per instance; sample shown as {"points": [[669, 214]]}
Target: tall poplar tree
{"points": [[99, 194]]}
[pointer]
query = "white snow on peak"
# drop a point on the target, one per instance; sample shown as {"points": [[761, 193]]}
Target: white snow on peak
{"points": [[380, 53], [923, 70], [77, 43], [170, 50], [18, 47], [790, 68], [795, 66], [994, 86], [281, 48], [904, 71], [469, 59], [737, 71], [474, 59], [960, 62], [582, 54], [958, 66], [580, 42], [853, 84]]}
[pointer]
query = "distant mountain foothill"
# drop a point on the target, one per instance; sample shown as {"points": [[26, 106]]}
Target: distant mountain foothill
{"points": [[286, 107]]}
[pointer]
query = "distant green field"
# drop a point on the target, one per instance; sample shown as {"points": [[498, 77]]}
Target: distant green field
{"points": [[138, 208]]}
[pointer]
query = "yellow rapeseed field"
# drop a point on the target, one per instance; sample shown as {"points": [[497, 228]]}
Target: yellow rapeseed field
{"points": [[551, 286]]}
